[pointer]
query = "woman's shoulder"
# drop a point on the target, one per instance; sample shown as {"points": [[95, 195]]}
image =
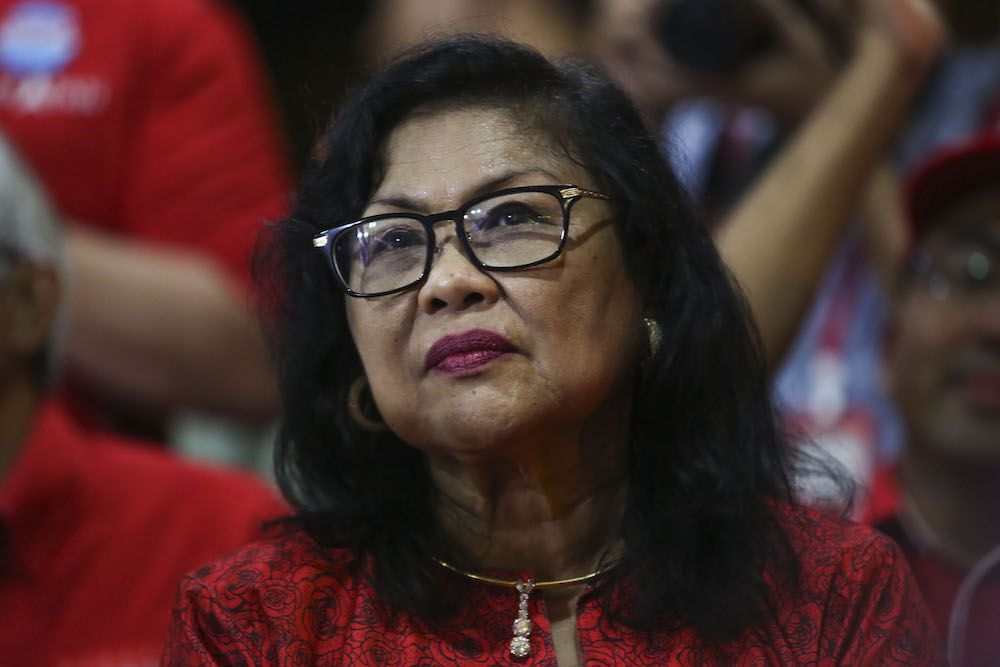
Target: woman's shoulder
{"points": [[284, 590], [277, 579], [855, 597], [821, 536], [287, 554]]}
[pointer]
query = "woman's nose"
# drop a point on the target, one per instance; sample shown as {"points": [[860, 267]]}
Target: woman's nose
{"points": [[455, 282]]}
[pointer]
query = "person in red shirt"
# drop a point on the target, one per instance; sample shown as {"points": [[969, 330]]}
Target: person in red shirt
{"points": [[96, 530], [525, 418], [943, 368], [151, 126]]}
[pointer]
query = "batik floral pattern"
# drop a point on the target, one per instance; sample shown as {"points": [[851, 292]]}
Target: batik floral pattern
{"points": [[288, 602]]}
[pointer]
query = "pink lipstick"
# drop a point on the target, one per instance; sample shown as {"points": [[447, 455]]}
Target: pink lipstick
{"points": [[467, 352]]}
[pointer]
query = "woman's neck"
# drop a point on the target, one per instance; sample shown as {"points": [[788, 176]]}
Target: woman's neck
{"points": [[553, 507]]}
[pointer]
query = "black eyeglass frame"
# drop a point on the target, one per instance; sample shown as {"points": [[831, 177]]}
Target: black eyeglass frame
{"points": [[923, 266], [566, 194]]}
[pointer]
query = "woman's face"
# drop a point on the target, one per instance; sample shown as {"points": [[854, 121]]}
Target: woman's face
{"points": [[570, 330]]}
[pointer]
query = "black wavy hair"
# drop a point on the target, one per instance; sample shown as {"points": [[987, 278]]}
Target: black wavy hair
{"points": [[707, 467]]}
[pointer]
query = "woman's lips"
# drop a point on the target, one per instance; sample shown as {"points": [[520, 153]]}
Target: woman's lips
{"points": [[467, 352]]}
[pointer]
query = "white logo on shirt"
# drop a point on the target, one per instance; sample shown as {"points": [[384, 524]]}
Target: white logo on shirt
{"points": [[38, 38]]}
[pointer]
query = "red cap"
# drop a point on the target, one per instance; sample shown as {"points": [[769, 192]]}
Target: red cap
{"points": [[950, 173]]}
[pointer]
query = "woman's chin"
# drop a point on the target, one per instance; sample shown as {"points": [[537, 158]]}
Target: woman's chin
{"points": [[470, 435]]}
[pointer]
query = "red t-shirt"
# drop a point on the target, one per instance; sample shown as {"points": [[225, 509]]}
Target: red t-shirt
{"points": [[101, 530], [147, 119], [288, 602]]}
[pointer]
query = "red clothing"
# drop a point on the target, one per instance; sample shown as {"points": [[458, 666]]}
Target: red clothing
{"points": [[100, 532], [148, 120], [288, 602], [973, 637]]}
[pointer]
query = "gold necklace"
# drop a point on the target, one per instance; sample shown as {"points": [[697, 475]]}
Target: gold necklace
{"points": [[520, 643]]}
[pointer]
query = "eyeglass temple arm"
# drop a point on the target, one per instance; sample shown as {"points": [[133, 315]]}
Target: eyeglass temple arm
{"points": [[567, 193]]}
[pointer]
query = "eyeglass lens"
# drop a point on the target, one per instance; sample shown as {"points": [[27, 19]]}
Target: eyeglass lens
{"points": [[962, 270], [505, 231]]}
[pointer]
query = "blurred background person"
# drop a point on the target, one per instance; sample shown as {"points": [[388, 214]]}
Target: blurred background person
{"points": [[729, 106], [95, 530], [151, 125], [942, 500], [315, 52]]}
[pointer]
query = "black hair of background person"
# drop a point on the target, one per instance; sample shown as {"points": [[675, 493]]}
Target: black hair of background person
{"points": [[705, 460], [311, 52]]}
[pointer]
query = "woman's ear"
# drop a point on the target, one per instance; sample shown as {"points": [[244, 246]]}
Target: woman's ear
{"points": [[29, 300]]}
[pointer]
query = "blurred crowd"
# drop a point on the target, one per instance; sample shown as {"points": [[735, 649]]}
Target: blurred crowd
{"points": [[845, 154]]}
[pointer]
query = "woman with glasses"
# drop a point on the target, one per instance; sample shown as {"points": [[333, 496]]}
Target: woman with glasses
{"points": [[526, 420]]}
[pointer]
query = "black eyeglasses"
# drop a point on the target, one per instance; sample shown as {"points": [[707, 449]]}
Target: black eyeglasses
{"points": [[502, 231], [965, 269]]}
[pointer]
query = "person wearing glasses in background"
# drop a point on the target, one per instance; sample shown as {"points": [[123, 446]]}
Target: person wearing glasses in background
{"points": [[942, 500], [526, 420]]}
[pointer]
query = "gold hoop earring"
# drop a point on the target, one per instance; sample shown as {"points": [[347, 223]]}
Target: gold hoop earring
{"points": [[355, 409], [655, 334]]}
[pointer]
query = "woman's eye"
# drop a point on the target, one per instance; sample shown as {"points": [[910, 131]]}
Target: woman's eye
{"points": [[397, 239], [508, 215]]}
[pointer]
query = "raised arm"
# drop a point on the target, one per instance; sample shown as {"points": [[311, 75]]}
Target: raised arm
{"points": [[164, 327], [779, 238], [160, 315]]}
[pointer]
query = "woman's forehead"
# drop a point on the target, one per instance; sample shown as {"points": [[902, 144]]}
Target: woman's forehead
{"points": [[457, 153]]}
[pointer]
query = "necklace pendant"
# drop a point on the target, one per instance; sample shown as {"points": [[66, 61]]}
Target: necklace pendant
{"points": [[520, 644]]}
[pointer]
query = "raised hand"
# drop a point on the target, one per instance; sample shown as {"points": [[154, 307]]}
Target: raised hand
{"points": [[809, 49]]}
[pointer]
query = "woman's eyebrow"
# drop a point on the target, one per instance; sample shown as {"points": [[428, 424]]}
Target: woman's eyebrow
{"points": [[407, 203], [496, 182], [399, 201]]}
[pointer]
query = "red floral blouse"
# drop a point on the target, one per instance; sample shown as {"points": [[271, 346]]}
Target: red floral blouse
{"points": [[289, 602]]}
